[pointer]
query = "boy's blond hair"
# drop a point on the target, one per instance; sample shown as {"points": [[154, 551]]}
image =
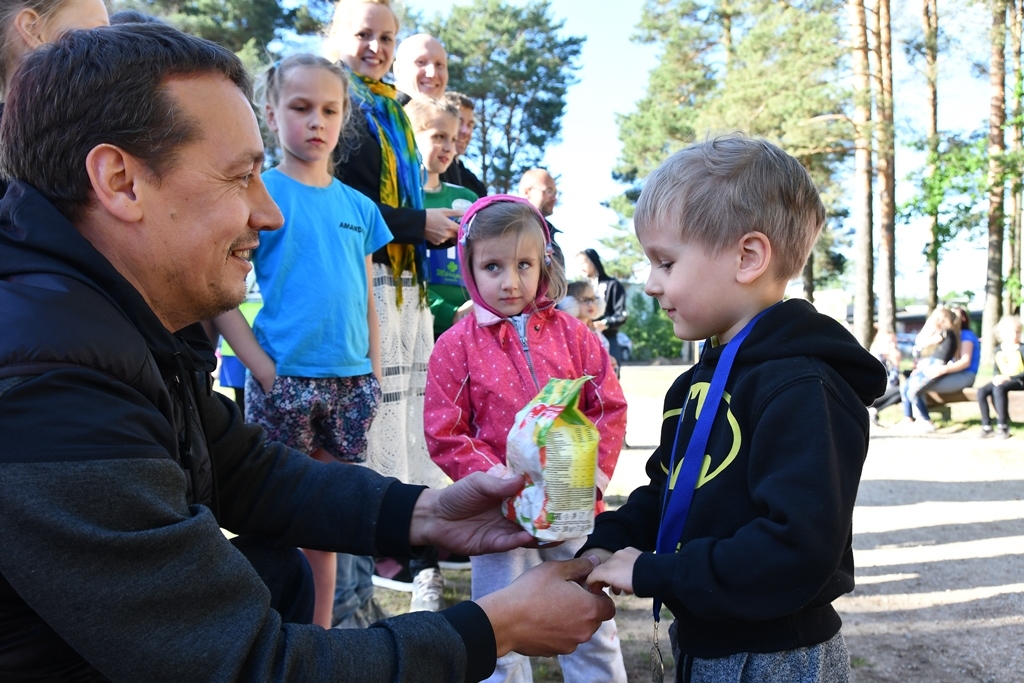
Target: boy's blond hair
{"points": [[422, 110], [716, 191]]}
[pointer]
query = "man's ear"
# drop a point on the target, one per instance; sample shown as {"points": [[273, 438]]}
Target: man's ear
{"points": [[755, 252], [29, 27], [115, 176]]}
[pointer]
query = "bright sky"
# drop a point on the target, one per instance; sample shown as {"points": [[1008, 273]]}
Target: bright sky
{"points": [[614, 76]]}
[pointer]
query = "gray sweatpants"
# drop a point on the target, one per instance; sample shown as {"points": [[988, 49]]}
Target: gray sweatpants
{"points": [[828, 662]]}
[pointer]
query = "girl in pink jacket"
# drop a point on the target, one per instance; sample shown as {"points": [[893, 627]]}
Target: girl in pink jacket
{"points": [[490, 364]]}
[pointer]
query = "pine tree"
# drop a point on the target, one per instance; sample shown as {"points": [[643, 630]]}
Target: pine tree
{"points": [[515, 64]]}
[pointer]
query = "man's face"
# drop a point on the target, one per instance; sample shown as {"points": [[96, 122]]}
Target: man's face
{"points": [[436, 142], [543, 194], [421, 67], [201, 221], [467, 122]]}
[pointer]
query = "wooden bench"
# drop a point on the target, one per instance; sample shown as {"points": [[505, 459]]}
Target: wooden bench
{"points": [[942, 402]]}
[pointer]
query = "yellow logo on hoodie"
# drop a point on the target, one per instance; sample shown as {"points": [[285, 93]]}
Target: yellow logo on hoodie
{"points": [[699, 391]]}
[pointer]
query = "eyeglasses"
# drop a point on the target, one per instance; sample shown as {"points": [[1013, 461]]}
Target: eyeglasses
{"points": [[588, 300], [549, 191]]}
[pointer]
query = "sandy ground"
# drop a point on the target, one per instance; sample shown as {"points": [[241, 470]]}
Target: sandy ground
{"points": [[939, 547]]}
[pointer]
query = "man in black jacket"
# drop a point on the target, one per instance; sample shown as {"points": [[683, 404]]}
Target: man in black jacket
{"points": [[457, 173], [135, 202]]}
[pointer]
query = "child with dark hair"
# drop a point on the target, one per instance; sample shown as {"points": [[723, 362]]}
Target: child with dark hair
{"points": [[611, 297]]}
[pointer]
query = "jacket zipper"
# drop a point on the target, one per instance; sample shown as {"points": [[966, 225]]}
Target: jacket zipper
{"points": [[520, 323]]}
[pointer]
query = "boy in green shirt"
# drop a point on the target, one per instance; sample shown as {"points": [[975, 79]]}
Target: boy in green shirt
{"points": [[436, 125]]}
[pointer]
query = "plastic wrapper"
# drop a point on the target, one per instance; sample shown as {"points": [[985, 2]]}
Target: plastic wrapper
{"points": [[554, 446]]}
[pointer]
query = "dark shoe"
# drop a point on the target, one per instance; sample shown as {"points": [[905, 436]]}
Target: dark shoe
{"points": [[455, 561], [1003, 432], [389, 573], [986, 432]]}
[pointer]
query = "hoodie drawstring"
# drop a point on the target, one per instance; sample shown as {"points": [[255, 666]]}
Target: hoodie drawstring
{"points": [[185, 438]]}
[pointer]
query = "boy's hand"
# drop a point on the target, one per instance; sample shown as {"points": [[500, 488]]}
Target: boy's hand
{"points": [[616, 572]]}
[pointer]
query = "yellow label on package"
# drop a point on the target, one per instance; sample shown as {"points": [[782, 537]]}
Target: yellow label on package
{"points": [[554, 446]]}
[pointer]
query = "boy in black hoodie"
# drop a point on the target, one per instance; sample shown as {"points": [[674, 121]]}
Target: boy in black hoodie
{"points": [[751, 564]]}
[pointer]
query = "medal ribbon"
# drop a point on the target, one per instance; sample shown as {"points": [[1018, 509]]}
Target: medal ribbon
{"points": [[676, 502]]}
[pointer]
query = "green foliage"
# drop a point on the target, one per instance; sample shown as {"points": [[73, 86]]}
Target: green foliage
{"points": [[517, 67], [622, 242], [955, 191], [243, 26], [665, 119], [768, 68], [650, 329]]}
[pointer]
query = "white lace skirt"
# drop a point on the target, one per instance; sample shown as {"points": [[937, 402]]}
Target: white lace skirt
{"points": [[395, 444]]}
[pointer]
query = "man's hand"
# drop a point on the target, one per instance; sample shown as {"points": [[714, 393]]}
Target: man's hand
{"points": [[615, 572], [545, 611], [465, 517], [440, 227]]}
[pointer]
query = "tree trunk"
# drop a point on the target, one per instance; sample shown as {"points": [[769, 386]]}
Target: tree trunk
{"points": [[863, 300], [996, 149], [1011, 299], [886, 170], [930, 22]]}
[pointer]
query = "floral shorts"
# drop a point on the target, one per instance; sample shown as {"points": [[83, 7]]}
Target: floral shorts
{"points": [[307, 413]]}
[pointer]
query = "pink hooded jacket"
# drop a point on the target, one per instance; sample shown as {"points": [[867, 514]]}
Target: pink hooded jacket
{"points": [[484, 370]]}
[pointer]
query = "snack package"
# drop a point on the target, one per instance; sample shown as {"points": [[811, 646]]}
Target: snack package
{"points": [[554, 446]]}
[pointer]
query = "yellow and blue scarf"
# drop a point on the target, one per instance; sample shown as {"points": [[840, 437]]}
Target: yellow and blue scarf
{"points": [[401, 185]]}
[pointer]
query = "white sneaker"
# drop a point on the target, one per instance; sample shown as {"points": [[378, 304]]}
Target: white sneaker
{"points": [[923, 426], [427, 591], [873, 415]]}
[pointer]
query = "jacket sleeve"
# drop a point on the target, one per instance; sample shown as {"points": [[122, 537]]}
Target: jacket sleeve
{"points": [[615, 313], [358, 165], [447, 412], [604, 404], [805, 481], [99, 542]]}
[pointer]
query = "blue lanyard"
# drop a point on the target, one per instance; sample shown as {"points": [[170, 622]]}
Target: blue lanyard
{"points": [[676, 501]]}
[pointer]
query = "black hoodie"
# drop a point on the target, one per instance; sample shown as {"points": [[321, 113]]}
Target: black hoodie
{"points": [[118, 469], [767, 545]]}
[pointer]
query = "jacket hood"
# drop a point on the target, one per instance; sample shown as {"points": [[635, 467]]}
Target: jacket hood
{"points": [[794, 328], [465, 228], [57, 248]]}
